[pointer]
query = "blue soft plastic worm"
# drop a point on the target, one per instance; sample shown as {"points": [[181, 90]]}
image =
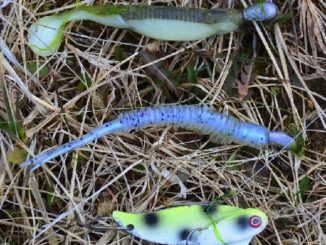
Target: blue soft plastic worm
{"points": [[221, 128]]}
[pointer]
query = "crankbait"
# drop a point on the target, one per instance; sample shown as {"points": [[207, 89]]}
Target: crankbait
{"points": [[221, 128], [159, 22], [195, 224]]}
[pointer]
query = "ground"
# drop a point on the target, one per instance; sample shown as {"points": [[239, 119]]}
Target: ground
{"points": [[272, 74]]}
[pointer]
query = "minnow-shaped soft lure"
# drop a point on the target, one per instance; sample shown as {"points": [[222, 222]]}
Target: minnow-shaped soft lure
{"points": [[220, 127], [159, 22], [195, 225]]}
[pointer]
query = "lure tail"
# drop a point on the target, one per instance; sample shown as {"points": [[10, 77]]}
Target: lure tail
{"points": [[44, 36], [45, 156]]}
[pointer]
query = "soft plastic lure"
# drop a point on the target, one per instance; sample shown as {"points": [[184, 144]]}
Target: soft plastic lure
{"points": [[195, 224], [220, 127], [165, 23]]}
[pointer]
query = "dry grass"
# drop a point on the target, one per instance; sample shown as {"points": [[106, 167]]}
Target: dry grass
{"points": [[127, 171]]}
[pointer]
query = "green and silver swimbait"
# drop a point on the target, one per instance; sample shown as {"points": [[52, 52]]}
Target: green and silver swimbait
{"points": [[159, 22], [195, 225]]}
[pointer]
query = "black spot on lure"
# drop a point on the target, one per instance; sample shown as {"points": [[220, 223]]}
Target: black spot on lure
{"points": [[201, 119], [159, 22]]}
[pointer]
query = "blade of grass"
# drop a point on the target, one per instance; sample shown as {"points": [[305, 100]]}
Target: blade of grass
{"points": [[12, 123]]}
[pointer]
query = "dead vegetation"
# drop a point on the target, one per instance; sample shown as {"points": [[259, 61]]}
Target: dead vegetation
{"points": [[101, 71]]}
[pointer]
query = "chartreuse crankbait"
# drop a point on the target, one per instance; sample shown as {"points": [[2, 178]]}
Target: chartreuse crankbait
{"points": [[201, 119], [159, 22], [195, 224]]}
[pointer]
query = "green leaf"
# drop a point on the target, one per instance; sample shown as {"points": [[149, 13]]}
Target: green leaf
{"points": [[139, 167], [17, 155], [221, 198], [275, 91], [303, 186], [282, 19], [299, 141], [231, 164], [21, 130], [50, 197], [83, 156], [10, 124], [85, 82], [39, 69], [118, 53], [4, 126], [191, 74]]}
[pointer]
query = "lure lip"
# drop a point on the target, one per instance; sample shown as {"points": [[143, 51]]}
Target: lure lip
{"points": [[260, 12]]}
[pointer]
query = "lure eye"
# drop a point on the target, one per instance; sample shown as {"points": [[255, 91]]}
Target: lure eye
{"points": [[255, 221]]}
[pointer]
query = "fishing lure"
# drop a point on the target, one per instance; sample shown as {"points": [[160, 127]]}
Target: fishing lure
{"points": [[195, 224], [201, 119], [159, 22]]}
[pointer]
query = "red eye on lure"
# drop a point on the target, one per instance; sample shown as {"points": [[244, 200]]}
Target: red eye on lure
{"points": [[255, 221]]}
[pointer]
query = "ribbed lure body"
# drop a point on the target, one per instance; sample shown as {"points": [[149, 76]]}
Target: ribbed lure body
{"points": [[221, 128], [182, 24], [159, 22], [199, 224], [201, 119]]}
